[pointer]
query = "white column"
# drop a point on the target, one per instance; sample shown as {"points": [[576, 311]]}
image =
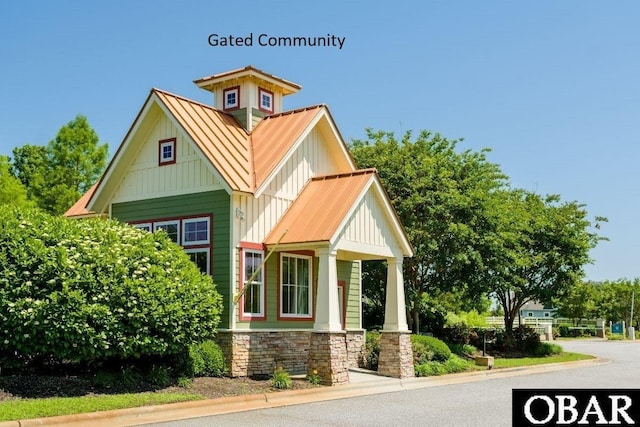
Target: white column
{"points": [[327, 308], [395, 315]]}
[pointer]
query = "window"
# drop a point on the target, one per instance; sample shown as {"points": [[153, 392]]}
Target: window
{"points": [[145, 226], [231, 98], [253, 297], [167, 151], [195, 231], [530, 314], [265, 99], [200, 257], [172, 228], [295, 286], [546, 314]]}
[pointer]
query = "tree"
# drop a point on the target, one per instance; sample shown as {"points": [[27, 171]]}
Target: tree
{"points": [[541, 247], [12, 192], [578, 302], [58, 174], [613, 300], [442, 199]]}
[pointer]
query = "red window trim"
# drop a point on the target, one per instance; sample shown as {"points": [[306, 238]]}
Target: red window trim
{"points": [[273, 98], [312, 290], [224, 98], [175, 152], [251, 317]]}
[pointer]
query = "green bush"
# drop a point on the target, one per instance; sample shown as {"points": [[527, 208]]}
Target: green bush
{"points": [[547, 349], [450, 366], [371, 350], [206, 360], [463, 350], [281, 379], [88, 290], [427, 348]]}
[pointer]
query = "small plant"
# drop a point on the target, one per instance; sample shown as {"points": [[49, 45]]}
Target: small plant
{"points": [[206, 360], [547, 349], [281, 379], [371, 350], [314, 378], [185, 382], [159, 376]]}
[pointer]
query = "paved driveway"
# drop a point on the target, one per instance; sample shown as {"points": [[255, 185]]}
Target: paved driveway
{"points": [[481, 403]]}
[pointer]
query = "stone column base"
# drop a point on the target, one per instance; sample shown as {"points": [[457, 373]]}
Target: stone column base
{"points": [[328, 356], [396, 355]]}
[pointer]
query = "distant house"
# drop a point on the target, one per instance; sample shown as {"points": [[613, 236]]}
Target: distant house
{"points": [[536, 309], [239, 182]]}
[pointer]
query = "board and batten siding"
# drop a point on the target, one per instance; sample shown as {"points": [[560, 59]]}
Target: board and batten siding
{"points": [[215, 203], [146, 179], [312, 158], [369, 229], [349, 271]]}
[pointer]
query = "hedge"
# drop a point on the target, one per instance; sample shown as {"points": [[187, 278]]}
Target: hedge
{"points": [[84, 290]]}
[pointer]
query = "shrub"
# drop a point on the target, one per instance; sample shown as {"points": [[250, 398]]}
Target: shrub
{"points": [[281, 379], [88, 290], [522, 340], [547, 349], [206, 360], [427, 348], [371, 350], [464, 350], [452, 365]]}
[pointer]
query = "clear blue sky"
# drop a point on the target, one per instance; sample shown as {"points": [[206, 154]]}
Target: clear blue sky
{"points": [[551, 86]]}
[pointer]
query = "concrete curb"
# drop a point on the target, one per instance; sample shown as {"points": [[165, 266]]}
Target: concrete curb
{"points": [[225, 405]]}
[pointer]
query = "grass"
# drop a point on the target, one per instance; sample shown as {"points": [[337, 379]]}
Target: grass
{"points": [[530, 361], [36, 408]]}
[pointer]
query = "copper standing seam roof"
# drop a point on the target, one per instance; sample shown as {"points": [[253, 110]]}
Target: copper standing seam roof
{"points": [[79, 208], [222, 140], [320, 208], [275, 135]]}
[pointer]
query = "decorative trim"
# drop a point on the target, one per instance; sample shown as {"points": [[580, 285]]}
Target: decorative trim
{"points": [[343, 284], [162, 144], [268, 95], [249, 317], [230, 106]]}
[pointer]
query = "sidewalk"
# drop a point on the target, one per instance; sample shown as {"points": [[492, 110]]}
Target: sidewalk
{"points": [[362, 383]]}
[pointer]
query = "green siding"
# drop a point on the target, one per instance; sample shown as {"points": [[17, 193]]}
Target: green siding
{"points": [[349, 271], [216, 203]]}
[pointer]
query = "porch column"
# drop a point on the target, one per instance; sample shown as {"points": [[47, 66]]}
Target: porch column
{"points": [[328, 346], [396, 355], [395, 315], [327, 309]]}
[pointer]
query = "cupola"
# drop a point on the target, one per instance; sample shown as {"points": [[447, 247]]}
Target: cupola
{"points": [[247, 93]]}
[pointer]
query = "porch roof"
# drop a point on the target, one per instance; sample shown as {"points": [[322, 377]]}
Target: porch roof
{"points": [[326, 206]]}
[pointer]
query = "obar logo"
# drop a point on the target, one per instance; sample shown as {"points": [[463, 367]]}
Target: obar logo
{"points": [[575, 407]]}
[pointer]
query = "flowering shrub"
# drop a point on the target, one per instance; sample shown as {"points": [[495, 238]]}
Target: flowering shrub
{"points": [[85, 290]]}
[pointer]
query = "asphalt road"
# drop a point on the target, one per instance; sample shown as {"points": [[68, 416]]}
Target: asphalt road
{"points": [[482, 403]]}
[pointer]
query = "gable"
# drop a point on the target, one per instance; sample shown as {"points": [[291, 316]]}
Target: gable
{"points": [[145, 179], [370, 228]]}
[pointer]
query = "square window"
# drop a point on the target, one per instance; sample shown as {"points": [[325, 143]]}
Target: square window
{"points": [[146, 226], [231, 98], [195, 231], [167, 151], [265, 99], [200, 257], [172, 228]]}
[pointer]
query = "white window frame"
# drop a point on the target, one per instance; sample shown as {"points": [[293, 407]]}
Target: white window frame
{"points": [[196, 242], [157, 226], [232, 90], [258, 280], [167, 143], [308, 315], [207, 250], [268, 94], [145, 226]]}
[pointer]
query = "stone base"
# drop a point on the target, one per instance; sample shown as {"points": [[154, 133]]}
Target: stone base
{"points": [[328, 357], [396, 355], [485, 361]]}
